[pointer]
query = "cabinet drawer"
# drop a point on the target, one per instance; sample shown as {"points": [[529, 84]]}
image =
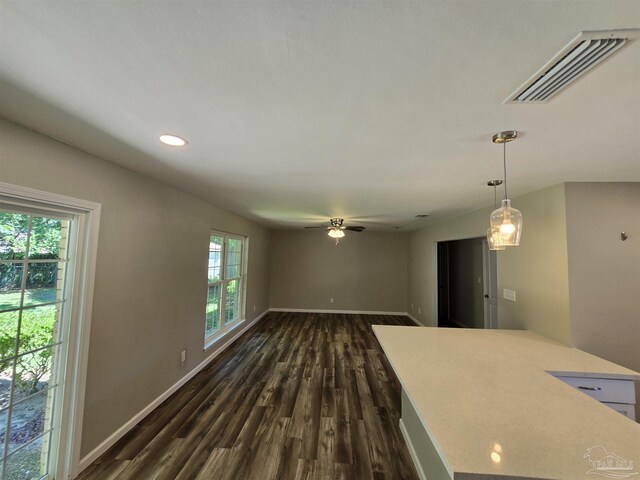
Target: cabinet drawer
{"points": [[624, 408], [604, 389]]}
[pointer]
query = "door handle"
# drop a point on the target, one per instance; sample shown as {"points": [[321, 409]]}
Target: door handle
{"points": [[592, 389], [486, 296]]}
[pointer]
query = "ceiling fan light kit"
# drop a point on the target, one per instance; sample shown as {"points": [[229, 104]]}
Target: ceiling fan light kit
{"points": [[336, 228], [336, 233], [505, 223]]}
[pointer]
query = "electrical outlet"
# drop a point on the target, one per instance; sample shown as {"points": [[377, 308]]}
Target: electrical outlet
{"points": [[254, 308], [508, 294], [412, 306], [183, 356], [419, 311], [331, 300]]}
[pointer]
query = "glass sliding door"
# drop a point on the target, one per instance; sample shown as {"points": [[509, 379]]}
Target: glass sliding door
{"points": [[34, 259]]}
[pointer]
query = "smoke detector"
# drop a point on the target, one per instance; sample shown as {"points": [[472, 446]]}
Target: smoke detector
{"points": [[586, 51]]}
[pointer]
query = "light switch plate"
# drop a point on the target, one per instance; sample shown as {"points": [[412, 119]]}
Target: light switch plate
{"points": [[508, 294]]}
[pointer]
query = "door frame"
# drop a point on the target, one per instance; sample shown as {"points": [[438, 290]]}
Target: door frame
{"points": [[488, 274], [87, 216], [490, 283]]}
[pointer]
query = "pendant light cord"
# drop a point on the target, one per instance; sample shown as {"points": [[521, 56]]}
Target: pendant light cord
{"points": [[495, 197], [504, 161]]}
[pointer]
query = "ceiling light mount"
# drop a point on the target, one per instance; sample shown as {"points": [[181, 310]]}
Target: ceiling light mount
{"points": [[505, 137], [494, 183]]}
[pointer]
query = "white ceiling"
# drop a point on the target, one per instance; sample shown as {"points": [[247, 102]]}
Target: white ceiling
{"points": [[298, 111]]}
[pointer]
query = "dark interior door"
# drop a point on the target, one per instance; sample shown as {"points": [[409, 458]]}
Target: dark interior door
{"points": [[443, 284]]}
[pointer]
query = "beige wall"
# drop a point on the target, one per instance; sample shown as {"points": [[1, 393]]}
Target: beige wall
{"points": [[604, 271], [537, 270], [150, 288], [366, 271]]}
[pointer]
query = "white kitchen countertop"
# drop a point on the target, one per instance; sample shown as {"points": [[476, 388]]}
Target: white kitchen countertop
{"points": [[480, 392]]}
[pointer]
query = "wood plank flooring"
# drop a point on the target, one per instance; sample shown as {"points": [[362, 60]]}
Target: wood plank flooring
{"points": [[300, 396]]}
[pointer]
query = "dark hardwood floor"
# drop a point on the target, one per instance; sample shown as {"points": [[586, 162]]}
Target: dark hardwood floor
{"points": [[298, 396]]}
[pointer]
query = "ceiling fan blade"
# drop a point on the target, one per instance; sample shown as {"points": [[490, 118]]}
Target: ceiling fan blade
{"points": [[315, 227], [354, 229]]}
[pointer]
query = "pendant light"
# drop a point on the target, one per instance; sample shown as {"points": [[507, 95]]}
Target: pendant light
{"points": [[494, 237], [507, 219]]}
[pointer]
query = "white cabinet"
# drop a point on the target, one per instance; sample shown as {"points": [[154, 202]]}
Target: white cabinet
{"points": [[628, 410], [618, 394]]}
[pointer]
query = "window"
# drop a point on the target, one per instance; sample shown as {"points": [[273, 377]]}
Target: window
{"points": [[225, 277], [34, 255]]}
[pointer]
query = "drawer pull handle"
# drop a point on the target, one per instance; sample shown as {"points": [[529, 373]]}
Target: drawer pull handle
{"points": [[593, 389]]}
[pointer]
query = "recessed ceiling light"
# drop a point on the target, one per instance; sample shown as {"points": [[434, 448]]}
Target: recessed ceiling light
{"points": [[422, 215], [173, 140]]}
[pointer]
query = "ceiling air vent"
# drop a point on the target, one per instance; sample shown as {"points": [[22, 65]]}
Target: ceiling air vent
{"points": [[581, 55]]}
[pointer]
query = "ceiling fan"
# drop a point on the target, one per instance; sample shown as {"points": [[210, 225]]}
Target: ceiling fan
{"points": [[336, 229]]}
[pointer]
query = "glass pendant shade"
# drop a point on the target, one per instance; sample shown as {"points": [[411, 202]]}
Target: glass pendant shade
{"points": [[508, 222], [494, 239], [336, 233]]}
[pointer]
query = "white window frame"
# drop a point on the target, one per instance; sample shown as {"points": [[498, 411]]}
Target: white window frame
{"points": [[81, 275], [225, 327]]}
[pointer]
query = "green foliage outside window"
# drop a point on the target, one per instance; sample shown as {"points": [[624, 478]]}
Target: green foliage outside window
{"points": [[37, 324], [14, 229], [36, 331]]}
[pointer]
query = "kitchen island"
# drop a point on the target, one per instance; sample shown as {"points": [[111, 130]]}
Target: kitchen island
{"points": [[482, 404]]}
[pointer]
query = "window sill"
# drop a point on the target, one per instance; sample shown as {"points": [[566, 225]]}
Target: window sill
{"points": [[211, 340]]}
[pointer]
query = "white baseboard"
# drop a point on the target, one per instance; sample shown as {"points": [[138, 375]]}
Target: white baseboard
{"points": [[118, 434], [415, 320], [412, 451], [352, 312]]}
